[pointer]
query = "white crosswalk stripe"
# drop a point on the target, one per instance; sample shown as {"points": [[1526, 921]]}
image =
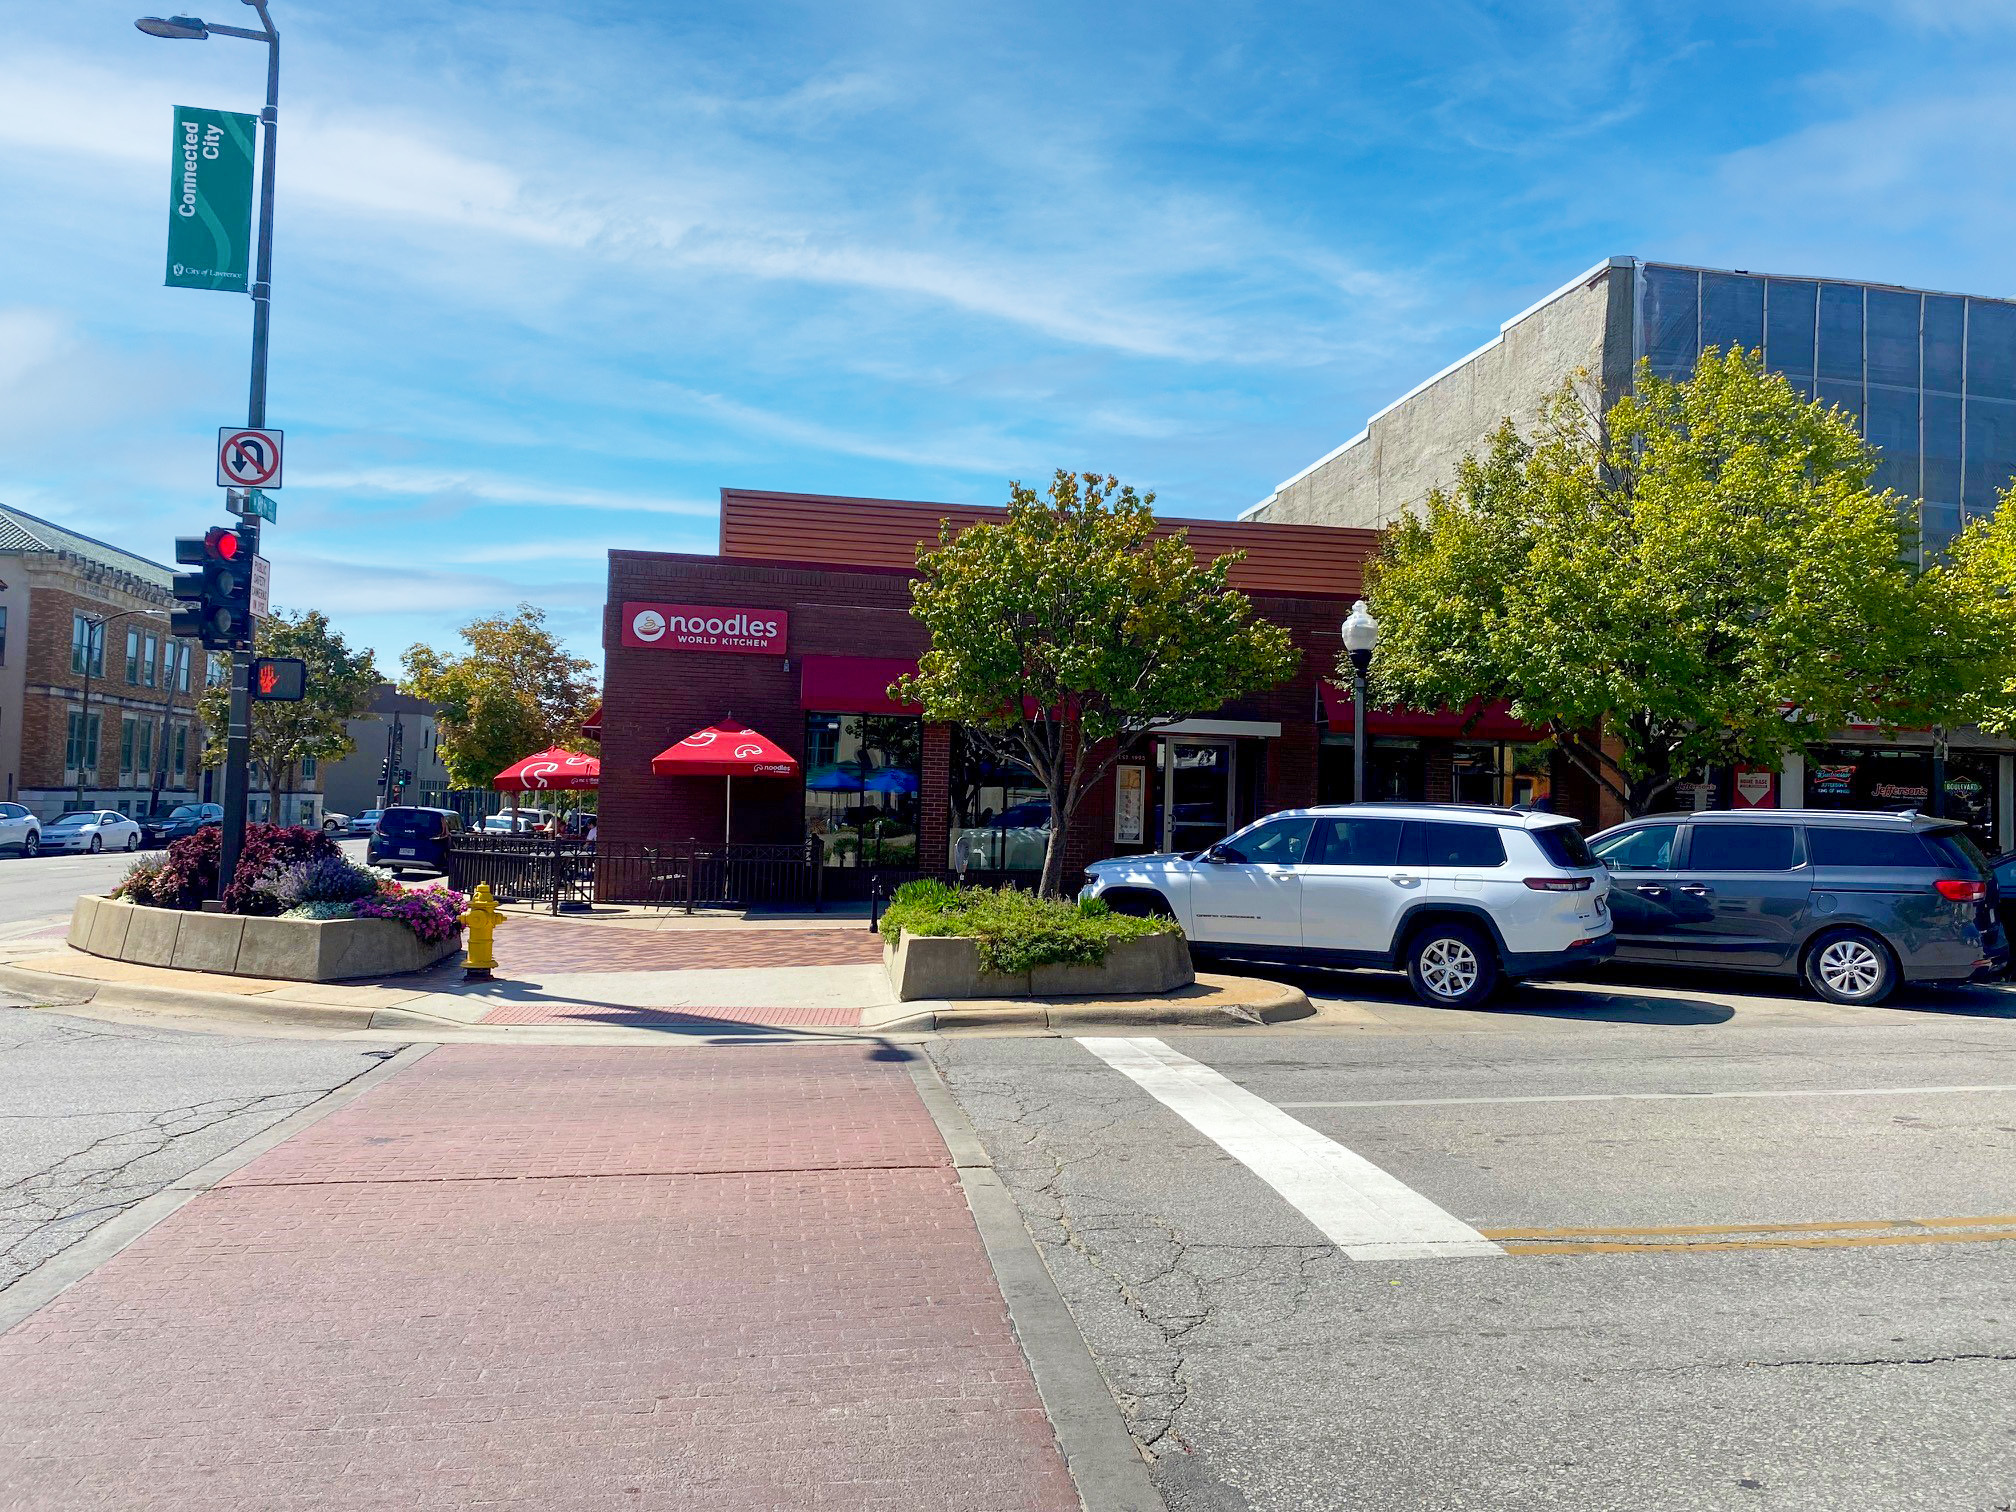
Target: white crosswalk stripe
{"points": [[1365, 1211]]}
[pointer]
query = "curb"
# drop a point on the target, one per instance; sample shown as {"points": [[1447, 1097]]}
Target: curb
{"points": [[1266, 1003], [1104, 1461], [48, 989]]}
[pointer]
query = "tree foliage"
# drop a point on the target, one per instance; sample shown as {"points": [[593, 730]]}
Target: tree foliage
{"points": [[1975, 591], [1070, 625], [513, 690], [341, 685], [1704, 576]]}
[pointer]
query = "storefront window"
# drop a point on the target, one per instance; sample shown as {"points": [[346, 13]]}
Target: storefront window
{"points": [[1396, 770], [1900, 777], [1000, 813], [862, 775], [1502, 774]]}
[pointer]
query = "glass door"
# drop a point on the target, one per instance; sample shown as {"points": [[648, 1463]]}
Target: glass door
{"points": [[1196, 784]]}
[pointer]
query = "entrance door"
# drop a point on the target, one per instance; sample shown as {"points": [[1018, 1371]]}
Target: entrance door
{"points": [[1196, 792]]}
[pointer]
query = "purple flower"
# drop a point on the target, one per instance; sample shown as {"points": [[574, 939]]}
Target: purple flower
{"points": [[433, 914]]}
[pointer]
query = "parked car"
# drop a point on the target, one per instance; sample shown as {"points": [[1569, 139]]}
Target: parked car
{"points": [[183, 819], [408, 839], [19, 827], [366, 822], [91, 830], [1853, 903], [1459, 897], [335, 823]]}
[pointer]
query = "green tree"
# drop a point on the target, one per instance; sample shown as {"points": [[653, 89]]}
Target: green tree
{"points": [[511, 691], [1704, 576], [1063, 635], [1975, 591], [341, 684]]}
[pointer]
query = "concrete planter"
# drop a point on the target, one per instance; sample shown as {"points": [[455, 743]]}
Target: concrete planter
{"points": [[948, 966], [292, 950]]}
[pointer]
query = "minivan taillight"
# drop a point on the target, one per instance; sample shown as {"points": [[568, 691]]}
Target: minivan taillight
{"points": [[1560, 884], [1961, 892]]}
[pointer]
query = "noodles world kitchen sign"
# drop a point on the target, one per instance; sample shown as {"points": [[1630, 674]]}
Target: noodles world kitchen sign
{"points": [[705, 627]]}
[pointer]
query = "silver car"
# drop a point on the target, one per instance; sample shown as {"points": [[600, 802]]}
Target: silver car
{"points": [[91, 830]]}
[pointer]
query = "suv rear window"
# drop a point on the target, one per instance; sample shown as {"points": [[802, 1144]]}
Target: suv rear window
{"points": [[1440, 843], [1564, 846], [1868, 847], [1960, 850], [1740, 848], [409, 824]]}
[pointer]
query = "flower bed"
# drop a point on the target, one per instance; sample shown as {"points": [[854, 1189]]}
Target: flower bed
{"points": [[296, 908], [963, 942]]}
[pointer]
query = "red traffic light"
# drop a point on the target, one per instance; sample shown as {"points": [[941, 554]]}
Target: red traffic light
{"points": [[222, 543]]}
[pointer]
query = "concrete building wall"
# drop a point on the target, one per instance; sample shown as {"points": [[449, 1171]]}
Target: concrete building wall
{"points": [[1414, 445]]}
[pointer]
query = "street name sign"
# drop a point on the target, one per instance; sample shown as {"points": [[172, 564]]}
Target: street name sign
{"points": [[252, 504], [210, 200], [247, 458]]}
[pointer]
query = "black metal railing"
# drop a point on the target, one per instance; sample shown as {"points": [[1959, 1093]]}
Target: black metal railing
{"points": [[566, 872]]}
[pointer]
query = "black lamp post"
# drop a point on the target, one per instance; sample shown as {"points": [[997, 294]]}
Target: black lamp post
{"points": [[238, 732], [1361, 638]]}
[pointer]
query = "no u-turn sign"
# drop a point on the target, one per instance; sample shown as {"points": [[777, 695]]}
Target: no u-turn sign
{"points": [[248, 458]]}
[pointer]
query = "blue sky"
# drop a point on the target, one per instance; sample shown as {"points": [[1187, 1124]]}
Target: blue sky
{"points": [[548, 276]]}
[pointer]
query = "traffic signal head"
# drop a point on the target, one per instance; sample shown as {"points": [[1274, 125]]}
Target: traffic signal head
{"points": [[217, 597]]}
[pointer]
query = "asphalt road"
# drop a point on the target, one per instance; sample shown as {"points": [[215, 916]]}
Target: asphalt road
{"points": [[37, 889], [95, 1116], [1708, 1365]]}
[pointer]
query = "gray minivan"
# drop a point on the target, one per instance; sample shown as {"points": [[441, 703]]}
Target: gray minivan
{"points": [[1854, 903]]}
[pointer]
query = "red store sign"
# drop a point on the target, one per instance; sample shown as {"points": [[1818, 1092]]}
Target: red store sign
{"points": [[705, 627]]}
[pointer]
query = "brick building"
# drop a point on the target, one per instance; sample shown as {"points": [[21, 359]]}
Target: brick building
{"points": [[83, 622], [881, 786]]}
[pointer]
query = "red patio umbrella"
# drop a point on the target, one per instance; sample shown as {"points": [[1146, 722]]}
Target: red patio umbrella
{"points": [[548, 771], [727, 750]]}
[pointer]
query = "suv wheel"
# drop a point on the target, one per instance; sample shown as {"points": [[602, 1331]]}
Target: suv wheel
{"points": [[32, 846], [1452, 965], [1851, 966]]}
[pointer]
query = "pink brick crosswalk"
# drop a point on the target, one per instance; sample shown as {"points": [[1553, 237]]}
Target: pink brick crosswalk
{"points": [[553, 1278]]}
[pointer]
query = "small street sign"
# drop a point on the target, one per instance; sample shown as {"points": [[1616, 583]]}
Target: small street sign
{"points": [[262, 578], [248, 458], [252, 503]]}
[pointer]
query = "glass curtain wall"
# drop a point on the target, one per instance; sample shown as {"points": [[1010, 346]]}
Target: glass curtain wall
{"points": [[862, 776], [1930, 379]]}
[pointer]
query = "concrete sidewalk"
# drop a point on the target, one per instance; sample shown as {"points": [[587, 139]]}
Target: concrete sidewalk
{"points": [[561, 1278]]}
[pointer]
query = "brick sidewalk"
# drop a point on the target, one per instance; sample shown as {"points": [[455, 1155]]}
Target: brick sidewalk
{"points": [[534, 944], [568, 1278]]}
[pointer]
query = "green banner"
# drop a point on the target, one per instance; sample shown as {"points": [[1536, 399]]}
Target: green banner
{"points": [[210, 200]]}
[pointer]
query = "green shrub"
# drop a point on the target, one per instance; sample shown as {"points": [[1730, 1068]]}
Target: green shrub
{"points": [[1015, 930]]}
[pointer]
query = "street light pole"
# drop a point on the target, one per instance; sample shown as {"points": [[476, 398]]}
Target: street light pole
{"points": [[238, 730], [1361, 636]]}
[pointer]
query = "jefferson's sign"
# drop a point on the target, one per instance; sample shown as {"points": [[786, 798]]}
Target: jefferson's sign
{"points": [[705, 627]]}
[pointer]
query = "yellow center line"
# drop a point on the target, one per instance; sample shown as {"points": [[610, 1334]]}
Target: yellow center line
{"points": [[1858, 1241], [1838, 1225]]}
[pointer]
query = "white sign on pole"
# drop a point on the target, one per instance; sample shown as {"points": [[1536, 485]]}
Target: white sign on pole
{"points": [[262, 578], [247, 458]]}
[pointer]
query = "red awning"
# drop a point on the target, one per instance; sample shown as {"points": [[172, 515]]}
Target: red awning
{"points": [[551, 770], [1477, 722], [592, 725], [853, 684], [725, 750]]}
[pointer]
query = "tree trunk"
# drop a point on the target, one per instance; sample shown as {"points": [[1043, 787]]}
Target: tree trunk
{"points": [[1051, 883]]}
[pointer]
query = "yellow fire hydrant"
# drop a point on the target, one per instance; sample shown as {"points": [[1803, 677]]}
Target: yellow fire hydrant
{"points": [[481, 921]]}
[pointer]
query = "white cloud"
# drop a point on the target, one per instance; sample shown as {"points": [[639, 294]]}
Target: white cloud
{"points": [[510, 491]]}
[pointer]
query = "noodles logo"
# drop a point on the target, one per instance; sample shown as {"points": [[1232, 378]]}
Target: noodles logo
{"points": [[706, 627]]}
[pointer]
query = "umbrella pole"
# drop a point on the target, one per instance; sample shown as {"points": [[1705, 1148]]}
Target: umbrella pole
{"points": [[728, 823]]}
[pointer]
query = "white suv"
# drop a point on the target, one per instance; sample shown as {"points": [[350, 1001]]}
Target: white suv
{"points": [[1458, 896]]}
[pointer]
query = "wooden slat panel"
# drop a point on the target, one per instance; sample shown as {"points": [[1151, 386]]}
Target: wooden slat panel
{"points": [[1303, 560]]}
